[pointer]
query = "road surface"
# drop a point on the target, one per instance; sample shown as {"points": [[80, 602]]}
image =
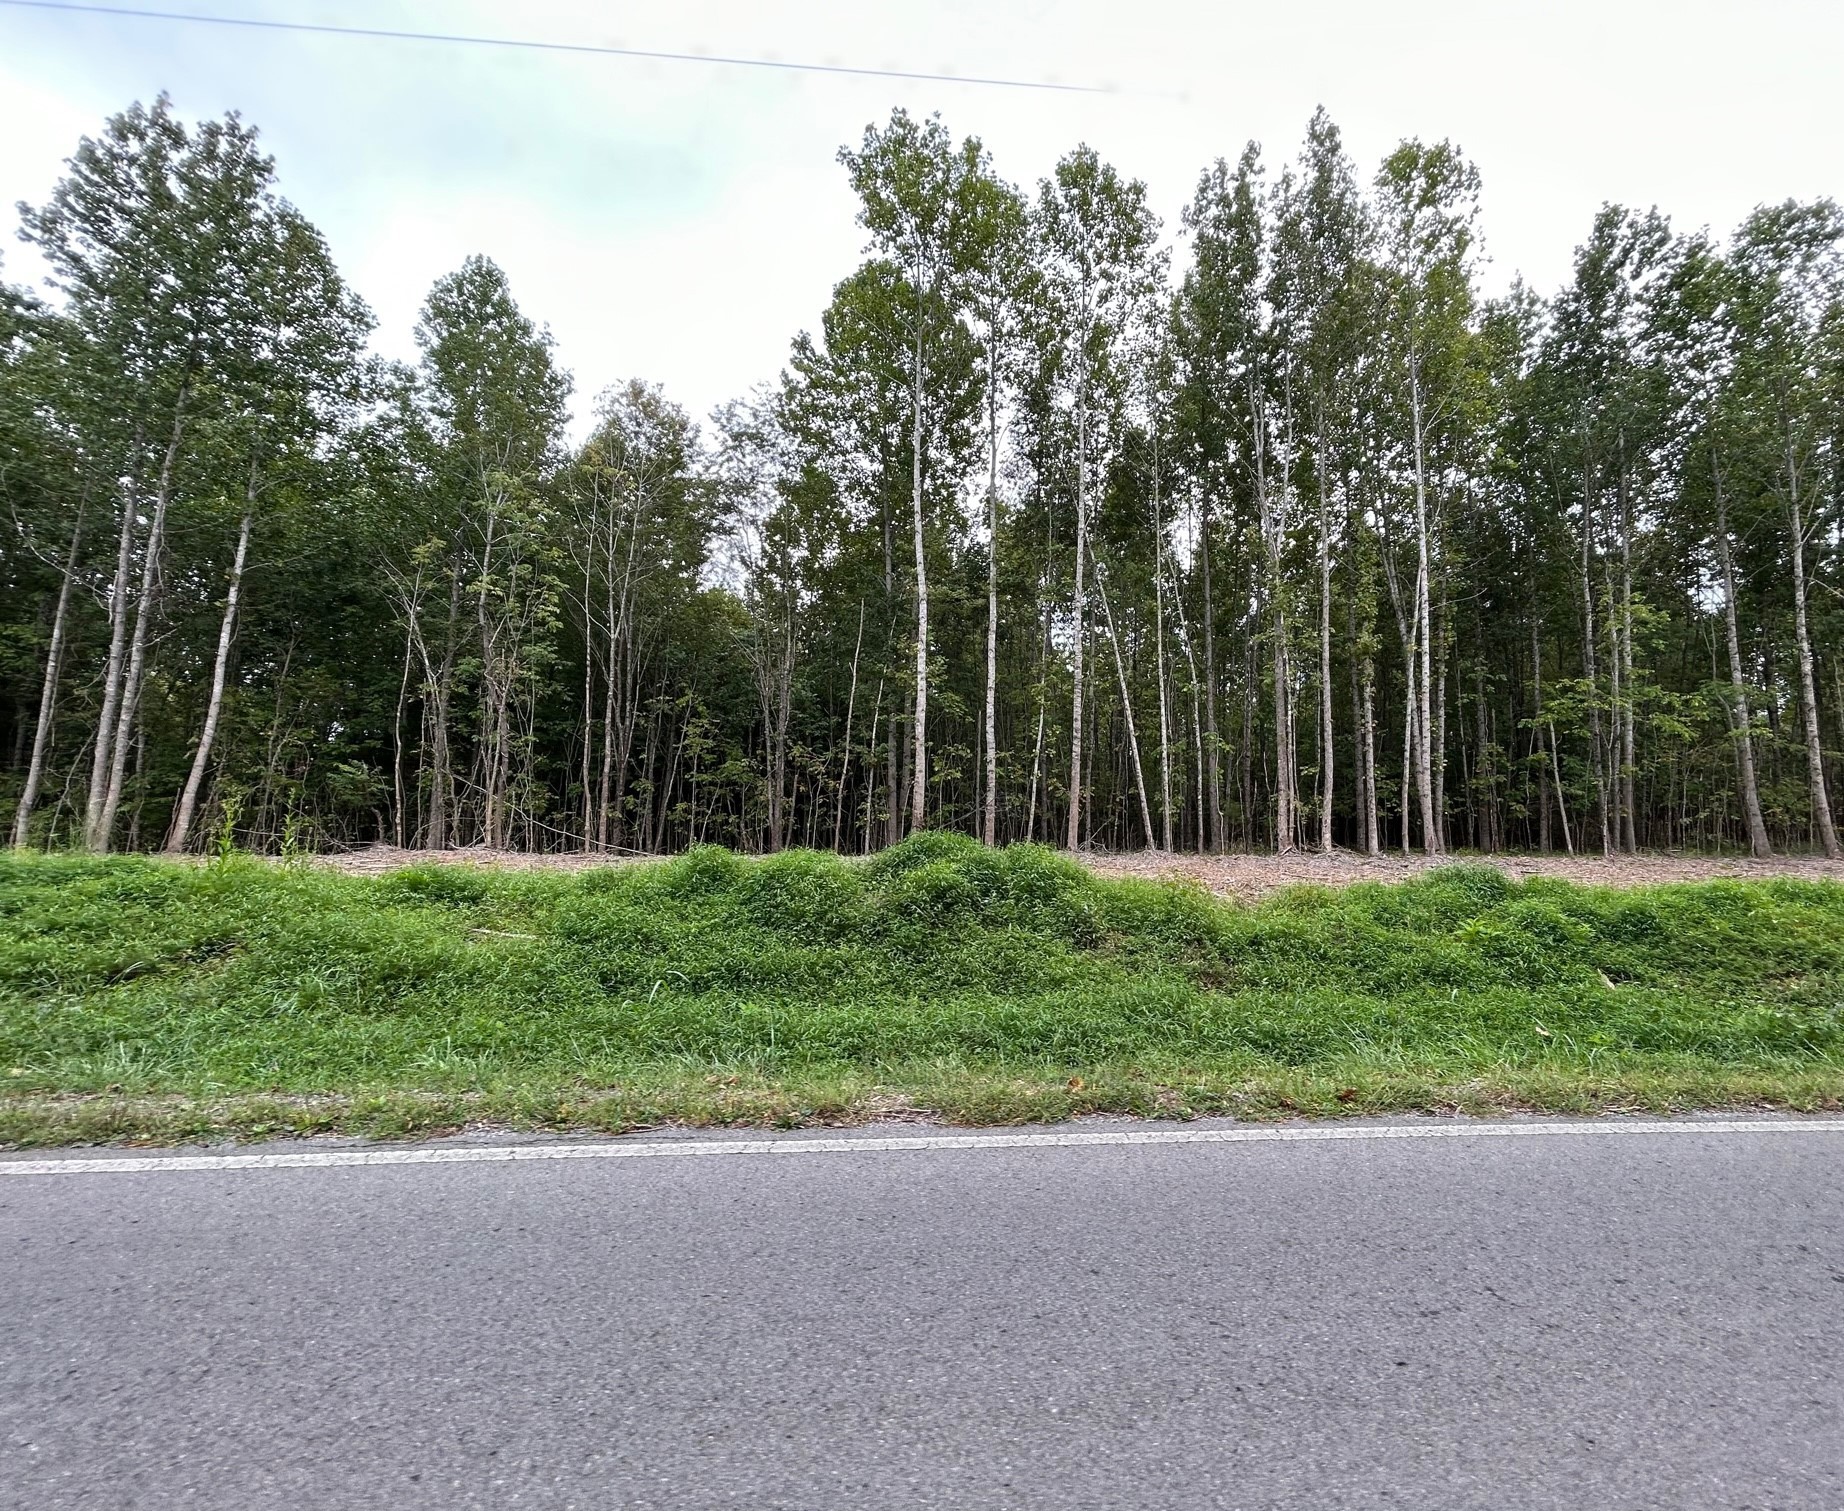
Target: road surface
{"points": [[1574, 1320]]}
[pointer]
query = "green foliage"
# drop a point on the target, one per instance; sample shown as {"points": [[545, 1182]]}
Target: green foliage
{"points": [[247, 978], [1313, 482]]}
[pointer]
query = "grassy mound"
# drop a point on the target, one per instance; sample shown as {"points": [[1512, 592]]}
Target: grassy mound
{"points": [[147, 999]]}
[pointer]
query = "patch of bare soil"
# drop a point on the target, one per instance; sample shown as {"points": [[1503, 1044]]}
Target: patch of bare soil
{"points": [[1251, 876], [376, 860], [1241, 876]]}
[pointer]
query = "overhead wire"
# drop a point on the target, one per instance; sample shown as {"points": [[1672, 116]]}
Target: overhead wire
{"points": [[531, 44]]}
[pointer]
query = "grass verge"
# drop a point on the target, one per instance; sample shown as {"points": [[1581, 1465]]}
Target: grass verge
{"points": [[149, 1001]]}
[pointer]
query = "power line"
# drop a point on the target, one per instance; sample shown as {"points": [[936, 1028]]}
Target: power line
{"points": [[530, 45]]}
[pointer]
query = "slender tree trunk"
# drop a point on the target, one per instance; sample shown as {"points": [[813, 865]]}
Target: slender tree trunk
{"points": [[1126, 703], [776, 715], [1327, 789], [1485, 773], [918, 800], [845, 761], [399, 831], [649, 751], [1373, 839], [492, 696], [870, 769], [1197, 756], [48, 691], [893, 793], [1422, 720], [103, 750], [1188, 647], [1562, 802], [1837, 685], [1285, 820], [1165, 718], [136, 674], [588, 769], [1409, 741], [1037, 767], [1544, 774], [1212, 739], [1437, 741], [1596, 749], [1073, 836], [989, 825], [1629, 755], [501, 838], [627, 721], [1363, 735], [1808, 692], [444, 802], [1740, 715], [611, 672], [1272, 533], [214, 706]]}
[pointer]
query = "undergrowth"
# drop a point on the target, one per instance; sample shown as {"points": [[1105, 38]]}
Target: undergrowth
{"points": [[141, 998]]}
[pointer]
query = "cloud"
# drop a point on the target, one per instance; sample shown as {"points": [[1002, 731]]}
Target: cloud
{"points": [[682, 221]]}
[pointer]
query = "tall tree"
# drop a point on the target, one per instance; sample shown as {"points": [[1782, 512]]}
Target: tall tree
{"points": [[1096, 246], [1428, 199], [1789, 295], [1321, 236], [998, 292], [495, 406], [288, 391], [920, 201]]}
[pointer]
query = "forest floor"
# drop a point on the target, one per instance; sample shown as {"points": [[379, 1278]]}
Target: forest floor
{"points": [[1241, 876], [1252, 876]]}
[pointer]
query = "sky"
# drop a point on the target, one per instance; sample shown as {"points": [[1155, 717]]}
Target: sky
{"points": [[680, 222]]}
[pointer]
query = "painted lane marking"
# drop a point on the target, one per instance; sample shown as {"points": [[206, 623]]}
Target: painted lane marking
{"points": [[483, 1154]]}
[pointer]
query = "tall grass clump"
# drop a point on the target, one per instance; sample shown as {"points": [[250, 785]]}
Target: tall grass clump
{"points": [[935, 965]]}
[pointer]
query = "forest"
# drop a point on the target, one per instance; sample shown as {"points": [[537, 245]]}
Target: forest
{"points": [[1253, 526]]}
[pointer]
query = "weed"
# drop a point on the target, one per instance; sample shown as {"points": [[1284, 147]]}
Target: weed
{"points": [[987, 985]]}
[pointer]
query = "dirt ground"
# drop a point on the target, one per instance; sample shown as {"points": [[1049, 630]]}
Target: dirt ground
{"points": [[1249, 876], [1242, 876]]}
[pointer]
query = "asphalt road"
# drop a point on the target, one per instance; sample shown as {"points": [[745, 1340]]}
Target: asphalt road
{"points": [[1577, 1321]]}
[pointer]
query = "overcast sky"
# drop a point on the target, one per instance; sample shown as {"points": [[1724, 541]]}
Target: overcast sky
{"points": [[681, 221]]}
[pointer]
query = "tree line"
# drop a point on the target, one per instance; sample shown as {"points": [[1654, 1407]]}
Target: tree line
{"points": [[1264, 529]]}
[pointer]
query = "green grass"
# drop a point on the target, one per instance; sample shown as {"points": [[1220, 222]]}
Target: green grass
{"points": [[148, 1000]]}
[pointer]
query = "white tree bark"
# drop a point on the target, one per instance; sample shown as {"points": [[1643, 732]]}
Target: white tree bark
{"points": [[845, 759], [214, 706], [100, 753], [1423, 721], [1273, 529], [1808, 692], [1213, 807], [1373, 840], [1126, 703], [1596, 751], [989, 825], [48, 692], [918, 796], [1165, 717], [1073, 837], [1327, 791], [589, 658], [129, 703], [1740, 715]]}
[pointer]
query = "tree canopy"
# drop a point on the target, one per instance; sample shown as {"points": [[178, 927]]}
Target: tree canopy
{"points": [[1264, 529]]}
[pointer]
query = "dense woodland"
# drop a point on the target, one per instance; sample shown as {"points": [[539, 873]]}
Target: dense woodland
{"points": [[1256, 527]]}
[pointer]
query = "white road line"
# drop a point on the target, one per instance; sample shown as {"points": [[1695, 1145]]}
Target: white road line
{"points": [[483, 1154]]}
